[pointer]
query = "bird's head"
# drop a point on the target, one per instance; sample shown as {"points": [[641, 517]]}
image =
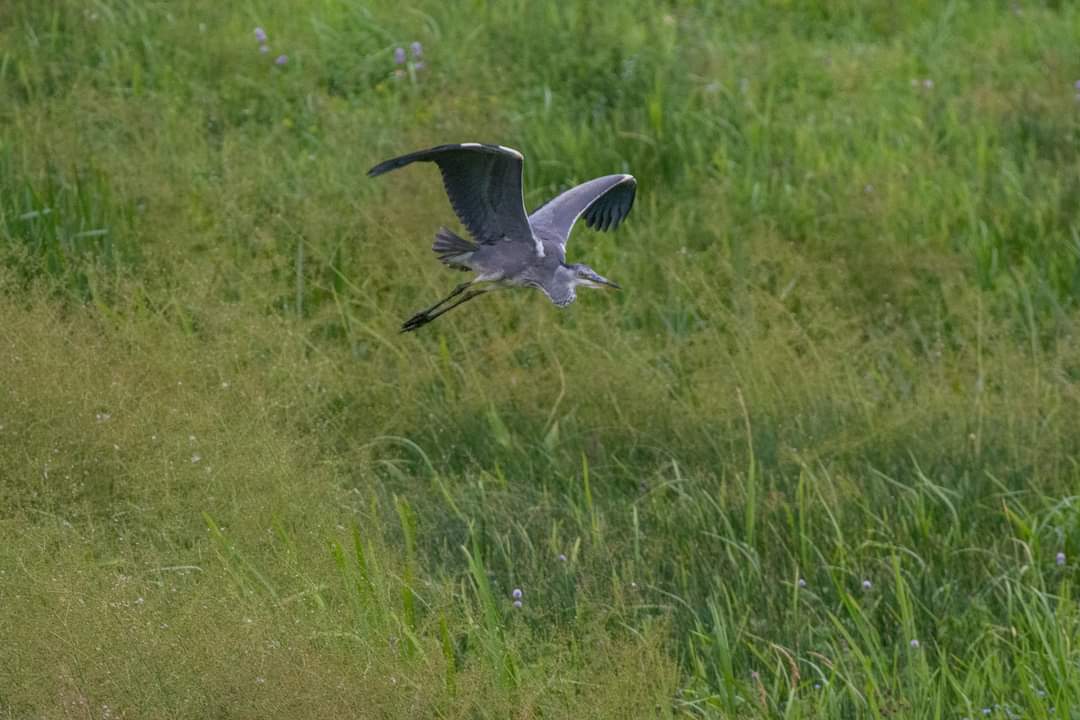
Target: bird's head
{"points": [[585, 276]]}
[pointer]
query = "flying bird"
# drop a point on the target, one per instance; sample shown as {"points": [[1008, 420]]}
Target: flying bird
{"points": [[510, 247]]}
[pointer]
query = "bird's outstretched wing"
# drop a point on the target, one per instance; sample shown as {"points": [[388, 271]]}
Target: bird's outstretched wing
{"points": [[483, 183], [604, 202]]}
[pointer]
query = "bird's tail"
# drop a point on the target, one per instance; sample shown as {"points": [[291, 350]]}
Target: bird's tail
{"points": [[453, 249]]}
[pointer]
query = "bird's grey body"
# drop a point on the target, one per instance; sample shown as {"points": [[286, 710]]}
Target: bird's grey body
{"points": [[512, 248]]}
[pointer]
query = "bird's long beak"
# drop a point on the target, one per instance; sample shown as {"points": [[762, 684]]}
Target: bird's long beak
{"points": [[612, 285]]}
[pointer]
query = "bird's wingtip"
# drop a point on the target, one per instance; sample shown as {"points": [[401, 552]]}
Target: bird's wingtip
{"points": [[383, 168]]}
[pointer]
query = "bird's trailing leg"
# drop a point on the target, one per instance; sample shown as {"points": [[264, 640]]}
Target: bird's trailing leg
{"points": [[425, 316], [418, 317]]}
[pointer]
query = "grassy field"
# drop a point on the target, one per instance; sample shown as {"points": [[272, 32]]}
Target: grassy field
{"points": [[819, 459]]}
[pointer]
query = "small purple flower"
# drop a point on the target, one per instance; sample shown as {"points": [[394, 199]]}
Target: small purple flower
{"points": [[516, 594], [399, 56], [517, 604], [418, 66], [1060, 558], [417, 49], [562, 558], [260, 34], [866, 585], [1077, 85], [281, 59], [264, 48], [802, 582], [914, 644]]}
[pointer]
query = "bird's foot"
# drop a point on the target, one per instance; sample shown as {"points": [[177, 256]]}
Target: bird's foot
{"points": [[418, 320]]}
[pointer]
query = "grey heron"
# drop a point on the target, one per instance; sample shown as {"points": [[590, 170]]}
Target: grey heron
{"points": [[512, 248]]}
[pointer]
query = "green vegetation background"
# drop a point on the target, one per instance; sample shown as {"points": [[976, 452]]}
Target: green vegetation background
{"points": [[847, 351]]}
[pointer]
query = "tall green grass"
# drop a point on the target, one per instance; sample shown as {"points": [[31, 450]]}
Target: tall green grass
{"points": [[817, 460]]}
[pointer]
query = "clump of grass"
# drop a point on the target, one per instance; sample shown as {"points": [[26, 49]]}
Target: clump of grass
{"points": [[66, 227]]}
